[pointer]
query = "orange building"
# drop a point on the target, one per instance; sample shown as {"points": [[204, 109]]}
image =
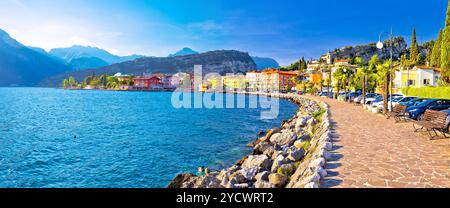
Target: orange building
{"points": [[275, 80]]}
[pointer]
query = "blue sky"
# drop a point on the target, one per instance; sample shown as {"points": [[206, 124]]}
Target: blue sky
{"points": [[284, 29]]}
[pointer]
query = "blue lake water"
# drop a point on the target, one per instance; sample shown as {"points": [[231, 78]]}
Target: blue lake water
{"points": [[124, 139]]}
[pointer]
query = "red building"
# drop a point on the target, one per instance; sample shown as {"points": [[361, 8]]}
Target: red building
{"points": [[147, 83]]}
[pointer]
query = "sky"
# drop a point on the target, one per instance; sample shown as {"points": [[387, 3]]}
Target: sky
{"points": [[283, 29]]}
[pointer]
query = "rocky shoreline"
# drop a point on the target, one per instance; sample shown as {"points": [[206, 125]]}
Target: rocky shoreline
{"points": [[292, 156]]}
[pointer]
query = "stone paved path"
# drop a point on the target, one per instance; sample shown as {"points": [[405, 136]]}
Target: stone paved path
{"points": [[371, 151]]}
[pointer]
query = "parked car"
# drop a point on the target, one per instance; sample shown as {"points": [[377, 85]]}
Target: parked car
{"points": [[375, 101], [403, 99], [416, 112], [448, 120], [380, 104], [370, 98], [352, 96], [413, 102], [358, 99]]}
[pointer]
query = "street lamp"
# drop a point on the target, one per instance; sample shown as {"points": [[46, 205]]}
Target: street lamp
{"points": [[380, 46]]}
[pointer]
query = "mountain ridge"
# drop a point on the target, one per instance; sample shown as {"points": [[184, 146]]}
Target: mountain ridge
{"points": [[221, 61], [23, 66]]}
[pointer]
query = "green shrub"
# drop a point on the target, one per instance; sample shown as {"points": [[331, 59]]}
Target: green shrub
{"points": [[428, 92]]}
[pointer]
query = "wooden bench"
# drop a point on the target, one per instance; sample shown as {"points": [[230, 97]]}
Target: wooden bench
{"points": [[432, 121], [399, 113]]}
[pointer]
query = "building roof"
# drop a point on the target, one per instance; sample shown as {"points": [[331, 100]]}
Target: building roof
{"points": [[428, 68]]}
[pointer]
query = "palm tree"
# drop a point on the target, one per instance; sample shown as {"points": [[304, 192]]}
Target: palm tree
{"points": [[374, 61], [383, 76]]}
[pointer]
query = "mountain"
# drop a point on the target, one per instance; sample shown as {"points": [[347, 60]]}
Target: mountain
{"points": [[184, 52], [222, 62], [23, 66], [264, 63], [87, 63], [76, 52]]}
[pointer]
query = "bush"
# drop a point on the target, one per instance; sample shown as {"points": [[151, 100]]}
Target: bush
{"points": [[428, 92]]}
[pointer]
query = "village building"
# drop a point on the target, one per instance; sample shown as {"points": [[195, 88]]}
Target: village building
{"points": [[235, 82], [254, 80], [417, 77], [147, 83]]}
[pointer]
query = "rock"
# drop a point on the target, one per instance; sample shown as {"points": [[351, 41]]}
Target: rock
{"points": [[263, 176], [277, 163], [286, 137], [322, 172], [296, 154], [319, 162], [261, 161], [261, 133], [299, 144], [208, 181], [263, 185], [311, 185], [241, 161], [249, 173], [178, 181], [237, 177], [242, 185], [264, 148], [278, 180], [286, 169]]}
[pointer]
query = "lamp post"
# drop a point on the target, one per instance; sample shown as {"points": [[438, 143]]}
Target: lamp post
{"points": [[380, 46]]}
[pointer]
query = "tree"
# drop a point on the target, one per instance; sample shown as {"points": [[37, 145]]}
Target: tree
{"points": [[414, 57], [103, 81], [435, 60], [339, 76], [362, 73], [383, 76], [373, 62], [72, 82], [65, 83], [445, 49], [429, 46]]}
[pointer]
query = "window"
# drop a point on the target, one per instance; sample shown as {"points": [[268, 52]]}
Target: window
{"points": [[411, 82], [426, 82]]}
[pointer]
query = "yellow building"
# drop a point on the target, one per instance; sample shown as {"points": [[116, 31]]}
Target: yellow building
{"points": [[234, 82], [419, 76]]}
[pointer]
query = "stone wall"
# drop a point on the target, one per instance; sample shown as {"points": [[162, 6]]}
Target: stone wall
{"points": [[293, 156]]}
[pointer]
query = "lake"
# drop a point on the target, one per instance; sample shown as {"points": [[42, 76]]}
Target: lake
{"points": [[123, 139]]}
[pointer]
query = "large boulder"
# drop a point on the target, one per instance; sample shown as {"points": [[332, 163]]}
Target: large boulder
{"points": [[249, 173], [278, 180], [180, 179], [264, 148], [262, 161], [295, 154], [286, 138], [262, 176], [277, 163]]}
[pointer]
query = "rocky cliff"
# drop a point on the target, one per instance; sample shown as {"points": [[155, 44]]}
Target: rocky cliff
{"points": [[223, 61], [367, 51]]}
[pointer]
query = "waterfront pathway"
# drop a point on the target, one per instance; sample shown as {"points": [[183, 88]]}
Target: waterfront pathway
{"points": [[371, 151]]}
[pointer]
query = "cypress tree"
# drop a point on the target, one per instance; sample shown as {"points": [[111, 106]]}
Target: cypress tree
{"points": [[414, 57], [436, 52], [445, 48]]}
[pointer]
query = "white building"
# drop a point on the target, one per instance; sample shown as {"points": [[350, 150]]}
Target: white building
{"points": [[419, 76]]}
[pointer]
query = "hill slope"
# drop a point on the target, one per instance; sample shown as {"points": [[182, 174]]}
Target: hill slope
{"points": [[22, 66]]}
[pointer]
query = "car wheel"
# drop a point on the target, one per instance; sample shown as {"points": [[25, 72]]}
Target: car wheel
{"points": [[420, 117]]}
